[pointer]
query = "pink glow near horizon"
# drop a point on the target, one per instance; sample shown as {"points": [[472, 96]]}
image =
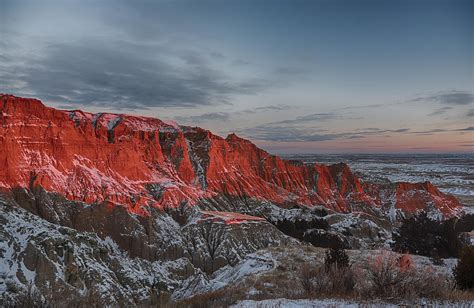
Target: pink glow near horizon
{"points": [[440, 143]]}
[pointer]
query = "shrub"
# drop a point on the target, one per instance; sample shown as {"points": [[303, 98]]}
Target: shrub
{"points": [[343, 280], [307, 274], [422, 235], [324, 239], [390, 276], [314, 231], [31, 298], [336, 257], [328, 281], [335, 277], [386, 276], [464, 270], [298, 227]]}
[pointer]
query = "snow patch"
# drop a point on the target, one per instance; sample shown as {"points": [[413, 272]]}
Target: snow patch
{"points": [[171, 123]]}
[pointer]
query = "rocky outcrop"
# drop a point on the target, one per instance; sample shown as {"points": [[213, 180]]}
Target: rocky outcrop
{"points": [[141, 162], [220, 238], [168, 234], [409, 198], [42, 264], [127, 207]]}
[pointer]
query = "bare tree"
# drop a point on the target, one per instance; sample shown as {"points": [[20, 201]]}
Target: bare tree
{"points": [[192, 246], [205, 243], [213, 235]]}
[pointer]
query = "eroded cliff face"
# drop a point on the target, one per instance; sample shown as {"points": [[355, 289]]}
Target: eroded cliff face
{"points": [[101, 207], [43, 264], [144, 162]]}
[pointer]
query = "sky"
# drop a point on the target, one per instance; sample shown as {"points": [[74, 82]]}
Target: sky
{"points": [[294, 76]]}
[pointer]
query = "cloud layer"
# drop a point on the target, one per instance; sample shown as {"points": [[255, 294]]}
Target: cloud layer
{"points": [[449, 98], [123, 75], [316, 71]]}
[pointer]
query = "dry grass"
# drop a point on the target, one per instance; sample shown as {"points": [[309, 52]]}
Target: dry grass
{"points": [[301, 274], [220, 298], [385, 277]]}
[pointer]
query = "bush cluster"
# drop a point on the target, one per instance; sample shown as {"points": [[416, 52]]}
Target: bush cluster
{"points": [[386, 276], [336, 257], [464, 270], [313, 231], [422, 235]]}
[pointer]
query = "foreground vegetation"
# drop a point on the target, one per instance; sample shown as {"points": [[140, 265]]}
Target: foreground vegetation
{"points": [[385, 277], [305, 272], [429, 237]]}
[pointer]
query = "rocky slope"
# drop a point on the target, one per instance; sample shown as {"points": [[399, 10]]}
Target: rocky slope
{"points": [[43, 264], [143, 162], [210, 239], [112, 209]]}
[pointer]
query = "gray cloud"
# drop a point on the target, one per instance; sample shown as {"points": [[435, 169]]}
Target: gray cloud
{"points": [[440, 111], [225, 116], [441, 130], [121, 75], [275, 107], [217, 55], [212, 116], [283, 133], [279, 107], [240, 62], [448, 98], [400, 130], [430, 132], [271, 132], [467, 129], [298, 129], [291, 71], [371, 106], [459, 98], [315, 117]]}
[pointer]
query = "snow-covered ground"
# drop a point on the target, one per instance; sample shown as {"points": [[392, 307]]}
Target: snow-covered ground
{"points": [[77, 262], [294, 303], [306, 303], [46, 257], [333, 303]]}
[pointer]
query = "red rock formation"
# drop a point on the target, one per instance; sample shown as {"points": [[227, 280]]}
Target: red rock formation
{"points": [[229, 218], [412, 197], [115, 157]]}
